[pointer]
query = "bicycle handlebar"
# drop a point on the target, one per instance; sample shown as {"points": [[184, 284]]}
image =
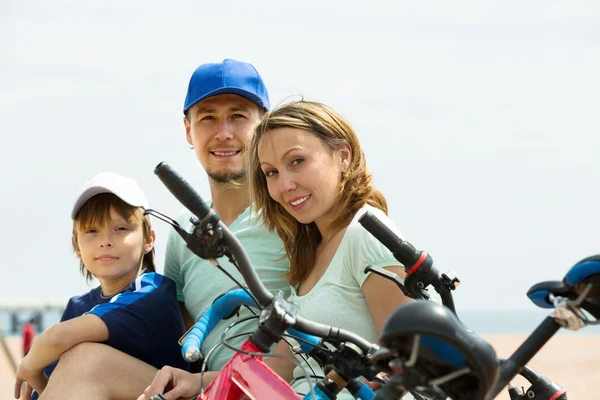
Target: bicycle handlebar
{"points": [[224, 305], [182, 191], [418, 264], [402, 250]]}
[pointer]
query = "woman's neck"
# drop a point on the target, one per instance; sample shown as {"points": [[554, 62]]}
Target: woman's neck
{"points": [[327, 229]]}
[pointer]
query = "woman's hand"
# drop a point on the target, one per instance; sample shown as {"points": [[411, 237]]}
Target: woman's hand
{"points": [[173, 383]]}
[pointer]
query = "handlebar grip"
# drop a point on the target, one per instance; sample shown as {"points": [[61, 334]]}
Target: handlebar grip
{"points": [[313, 341], [360, 390], [403, 251], [182, 190], [190, 350]]}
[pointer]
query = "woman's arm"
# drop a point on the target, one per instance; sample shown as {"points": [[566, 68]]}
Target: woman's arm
{"points": [[383, 296]]}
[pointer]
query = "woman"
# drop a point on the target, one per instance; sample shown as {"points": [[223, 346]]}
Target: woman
{"points": [[310, 184]]}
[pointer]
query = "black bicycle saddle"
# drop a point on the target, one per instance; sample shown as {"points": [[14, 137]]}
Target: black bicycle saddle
{"points": [[583, 274], [445, 346]]}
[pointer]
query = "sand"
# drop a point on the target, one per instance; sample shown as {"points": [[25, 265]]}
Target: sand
{"points": [[7, 374], [571, 360]]}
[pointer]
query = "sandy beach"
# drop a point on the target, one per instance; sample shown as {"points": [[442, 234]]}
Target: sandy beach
{"points": [[571, 360]]}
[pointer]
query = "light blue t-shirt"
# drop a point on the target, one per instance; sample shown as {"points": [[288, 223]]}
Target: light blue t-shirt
{"points": [[337, 299], [199, 283]]}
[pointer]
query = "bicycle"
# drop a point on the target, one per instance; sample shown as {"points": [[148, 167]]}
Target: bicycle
{"points": [[437, 352], [421, 273]]}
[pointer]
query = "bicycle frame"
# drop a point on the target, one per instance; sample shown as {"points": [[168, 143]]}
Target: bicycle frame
{"points": [[246, 376]]}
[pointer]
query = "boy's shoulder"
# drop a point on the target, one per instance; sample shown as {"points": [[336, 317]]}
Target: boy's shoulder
{"points": [[86, 297], [147, 278], [77, 305]]}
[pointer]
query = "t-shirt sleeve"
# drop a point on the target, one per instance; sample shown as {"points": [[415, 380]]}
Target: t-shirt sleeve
{"points": [[129, 315], [172, 268], [364, 249]]}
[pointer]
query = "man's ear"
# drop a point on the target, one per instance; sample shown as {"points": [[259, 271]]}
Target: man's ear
{"points": [[187, 126]]}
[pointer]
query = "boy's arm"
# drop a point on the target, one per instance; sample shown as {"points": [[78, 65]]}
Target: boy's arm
{"points": [[57, 339], [53, 342]]}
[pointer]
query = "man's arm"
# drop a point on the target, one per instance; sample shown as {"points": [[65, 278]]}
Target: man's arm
{"points": [[188, 321], [175, 383], [283, 367]]}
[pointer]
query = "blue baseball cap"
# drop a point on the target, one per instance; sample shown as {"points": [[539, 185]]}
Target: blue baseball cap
{"points": [[228, 77]]}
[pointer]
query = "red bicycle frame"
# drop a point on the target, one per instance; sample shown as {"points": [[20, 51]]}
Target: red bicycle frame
{"points": [[248, 377]]}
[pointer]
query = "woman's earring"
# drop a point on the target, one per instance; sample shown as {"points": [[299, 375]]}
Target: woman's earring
{"points": [[191, 147]]}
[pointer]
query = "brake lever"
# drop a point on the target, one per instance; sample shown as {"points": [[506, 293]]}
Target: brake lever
{"points": [[391, 276], [185, 235], [206, 240]]}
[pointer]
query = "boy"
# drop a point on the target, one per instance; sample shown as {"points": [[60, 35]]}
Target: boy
{"points": [[134, 310]]}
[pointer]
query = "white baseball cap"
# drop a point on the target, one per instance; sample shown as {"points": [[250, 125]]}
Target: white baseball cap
{"points": [[123, 187]]}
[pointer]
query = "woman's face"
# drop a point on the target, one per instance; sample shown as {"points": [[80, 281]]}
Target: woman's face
{"points": [[302, 173]]}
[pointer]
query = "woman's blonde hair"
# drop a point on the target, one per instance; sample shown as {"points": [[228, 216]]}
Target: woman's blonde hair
{"points": [[96, 213], [356, 189]]}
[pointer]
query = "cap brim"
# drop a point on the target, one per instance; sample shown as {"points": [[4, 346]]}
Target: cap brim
{"points": [[133, 199], [229, 90]]}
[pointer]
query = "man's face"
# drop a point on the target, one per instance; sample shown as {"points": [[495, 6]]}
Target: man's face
{"points": [[220, 128]]}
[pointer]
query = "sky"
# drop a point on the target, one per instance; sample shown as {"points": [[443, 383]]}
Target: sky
{"points": [[479, 121]]}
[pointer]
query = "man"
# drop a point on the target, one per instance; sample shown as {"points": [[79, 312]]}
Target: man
{"points": [[224, 102]]}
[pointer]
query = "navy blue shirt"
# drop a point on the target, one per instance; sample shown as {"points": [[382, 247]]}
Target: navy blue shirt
{"points": [[144, 320]]}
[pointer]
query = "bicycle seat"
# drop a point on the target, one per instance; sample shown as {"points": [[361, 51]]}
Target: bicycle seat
{"points": [[446, 346], [586, 270], [540, 293], [584, 273]]}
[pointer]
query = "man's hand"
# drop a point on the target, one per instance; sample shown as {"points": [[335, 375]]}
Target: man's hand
{"points": [[35, 379], [173, 383], [374, 385]]}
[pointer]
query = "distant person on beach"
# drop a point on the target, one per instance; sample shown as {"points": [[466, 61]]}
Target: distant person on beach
{"points": [[27, 333], [134, 310]]}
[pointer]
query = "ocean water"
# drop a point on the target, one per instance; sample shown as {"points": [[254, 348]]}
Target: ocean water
{"points": [[482, 322]]}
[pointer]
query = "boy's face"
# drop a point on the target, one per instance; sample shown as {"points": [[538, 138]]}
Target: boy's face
{"points": [[114, 252], [220, 129]]}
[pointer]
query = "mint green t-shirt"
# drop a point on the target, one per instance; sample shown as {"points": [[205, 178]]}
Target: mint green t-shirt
{"points": [[337, 299], [199, 283]]}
